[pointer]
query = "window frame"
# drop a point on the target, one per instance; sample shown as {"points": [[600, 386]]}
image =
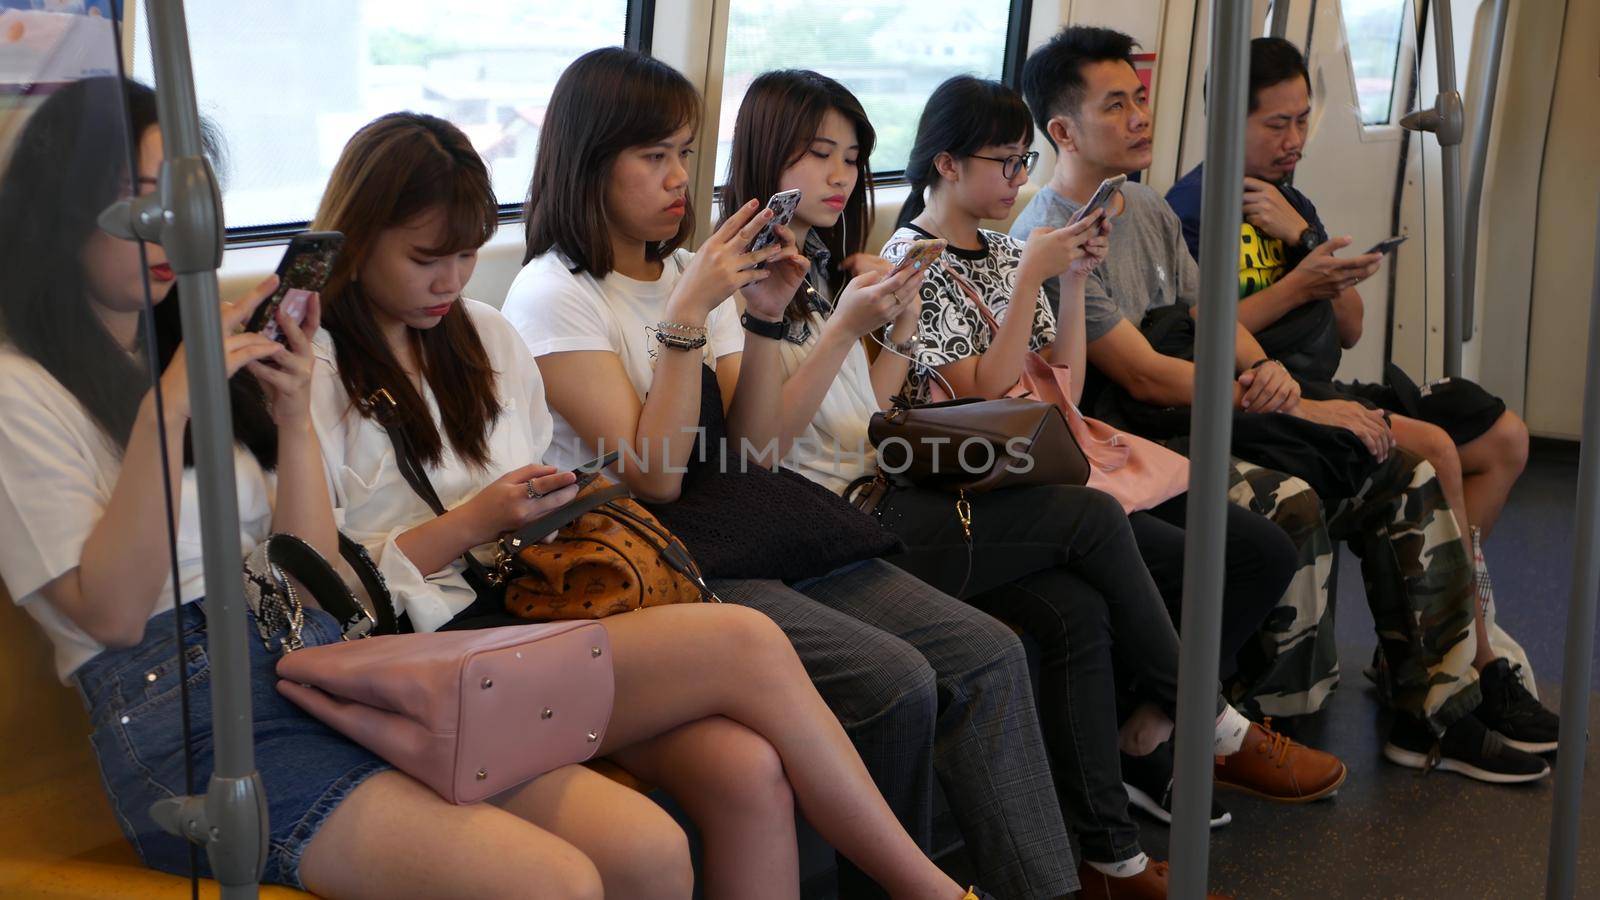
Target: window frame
{"points": [[638, 26], [638, 34]]}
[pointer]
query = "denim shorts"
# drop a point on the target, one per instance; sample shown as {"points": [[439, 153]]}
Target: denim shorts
{"points": [[135, 708]]}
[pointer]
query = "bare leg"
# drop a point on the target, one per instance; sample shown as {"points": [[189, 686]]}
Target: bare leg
{"points": [[405, 841], [1490, 465], [676, 664], [638, 849], [1434, 445], [731, 783]]}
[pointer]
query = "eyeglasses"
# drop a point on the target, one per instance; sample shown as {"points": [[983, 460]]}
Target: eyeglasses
{"points": [[1011, 165]]}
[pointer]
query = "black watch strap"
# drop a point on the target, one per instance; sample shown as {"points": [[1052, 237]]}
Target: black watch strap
{"points": [[763, 328], [1311, 238]]}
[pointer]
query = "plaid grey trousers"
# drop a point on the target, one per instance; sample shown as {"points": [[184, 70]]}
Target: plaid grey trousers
{"points": [[926, 686]]}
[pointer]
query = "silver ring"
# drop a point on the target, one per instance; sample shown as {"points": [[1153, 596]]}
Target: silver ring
{"points": [[533, 492]]}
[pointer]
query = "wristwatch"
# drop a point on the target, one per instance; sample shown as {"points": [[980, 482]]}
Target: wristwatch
{"points": [[762, 328], [1310, 239]]}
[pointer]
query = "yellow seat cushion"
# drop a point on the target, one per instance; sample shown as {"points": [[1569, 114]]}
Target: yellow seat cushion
{"points": [[58, 836]]}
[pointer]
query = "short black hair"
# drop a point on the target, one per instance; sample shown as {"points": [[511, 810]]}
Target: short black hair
{"points": [[1273, 61], [1052, 78]]}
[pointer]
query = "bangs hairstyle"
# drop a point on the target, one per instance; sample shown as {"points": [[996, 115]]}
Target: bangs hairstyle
{"points": [[74, 156], [607, 101], [1052, 76], [395, 170], [776, 125], [964, 115]]}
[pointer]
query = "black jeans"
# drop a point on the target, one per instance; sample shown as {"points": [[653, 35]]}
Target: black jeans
{"points": [[1259, 563], [1061, 563]]}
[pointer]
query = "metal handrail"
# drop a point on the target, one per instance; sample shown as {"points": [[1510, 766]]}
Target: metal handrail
{"points": [[1565, 821], [1484, 88], [185, 217], [1211, 427]]}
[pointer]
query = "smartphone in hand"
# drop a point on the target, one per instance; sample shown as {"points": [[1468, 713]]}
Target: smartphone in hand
{"points": [[1102, 198], [1388, 244], [921, 252], [305, 268], [783, 204], [589, 471]]}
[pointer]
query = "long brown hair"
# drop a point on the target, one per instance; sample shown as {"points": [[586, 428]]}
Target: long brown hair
{"points": [[396, 169], [777, 122], [605, 102]]}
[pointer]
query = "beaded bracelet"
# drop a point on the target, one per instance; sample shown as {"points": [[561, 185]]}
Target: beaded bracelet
{"points": [[681, 328]]}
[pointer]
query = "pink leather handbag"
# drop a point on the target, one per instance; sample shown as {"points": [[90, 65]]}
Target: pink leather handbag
{"points": [[468, 713], [1140, 473]]}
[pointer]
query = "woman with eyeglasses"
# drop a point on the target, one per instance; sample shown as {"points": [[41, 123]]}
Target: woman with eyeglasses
{"points": [[1091, 596]]}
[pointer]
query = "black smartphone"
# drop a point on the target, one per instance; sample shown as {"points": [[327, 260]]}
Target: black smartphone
{"points": [[590, 470], [1387, 244], [305, 268]]}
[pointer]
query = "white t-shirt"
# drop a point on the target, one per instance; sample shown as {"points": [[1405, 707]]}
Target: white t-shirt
{"points": [[833, 449], [57, 472], [557, 310], [373, 504]]}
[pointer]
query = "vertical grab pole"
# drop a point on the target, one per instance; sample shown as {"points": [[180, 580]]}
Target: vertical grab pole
{"points": [[1211, 426], [1280, 18], [231, 819], [1483, 93], [1449, 135], [1561, 874]]}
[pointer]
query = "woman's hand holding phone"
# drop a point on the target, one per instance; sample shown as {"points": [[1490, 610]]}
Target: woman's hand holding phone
{"points": [[515, 499], [722, 266], [239, 348], [872, 300], [286, 377], [1051, 251]]}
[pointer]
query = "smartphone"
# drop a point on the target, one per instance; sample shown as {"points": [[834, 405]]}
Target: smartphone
{"points": [[926, 252], [1388, 244], [1101, 199], [590, 470], [783, 204], [304, 270]]}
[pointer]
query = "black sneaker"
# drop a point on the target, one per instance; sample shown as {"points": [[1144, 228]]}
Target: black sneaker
{"points": [[1511, 710], [1148, 781], [1466, 747]]}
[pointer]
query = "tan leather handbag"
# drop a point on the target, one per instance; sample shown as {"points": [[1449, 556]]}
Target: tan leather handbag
{"points": [[608, 555], [612, 556]]}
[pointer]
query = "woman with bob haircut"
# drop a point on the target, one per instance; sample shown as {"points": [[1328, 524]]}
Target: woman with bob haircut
{"points": [[739, 744], [641, 349]]}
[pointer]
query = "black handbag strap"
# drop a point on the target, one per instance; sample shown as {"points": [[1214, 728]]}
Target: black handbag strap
{"points": [[304, 564], [385, 412]]}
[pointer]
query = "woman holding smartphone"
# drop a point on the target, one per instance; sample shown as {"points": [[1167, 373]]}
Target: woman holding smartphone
{"points": [[1061, 562], [640, 347], [738, 743]]}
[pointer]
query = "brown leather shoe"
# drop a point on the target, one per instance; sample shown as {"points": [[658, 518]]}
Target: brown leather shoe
{"points": [[1272, 766], [1151, 884]]}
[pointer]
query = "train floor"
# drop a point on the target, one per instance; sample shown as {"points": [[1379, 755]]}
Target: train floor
{"points": [[1392, 832]]}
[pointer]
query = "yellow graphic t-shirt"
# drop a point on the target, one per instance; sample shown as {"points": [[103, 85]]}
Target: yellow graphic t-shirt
{"points": [[1262, 260]]}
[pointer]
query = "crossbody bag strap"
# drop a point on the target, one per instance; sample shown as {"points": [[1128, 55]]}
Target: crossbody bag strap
{"points": [[385, 412]]}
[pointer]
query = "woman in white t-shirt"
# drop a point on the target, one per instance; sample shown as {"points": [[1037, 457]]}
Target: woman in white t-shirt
{"points": [[84, 511], [639, 344], [1060, 562], [711, 702]]}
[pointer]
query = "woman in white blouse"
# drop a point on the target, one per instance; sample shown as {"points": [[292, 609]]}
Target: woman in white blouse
{"points": [[711, 701]]}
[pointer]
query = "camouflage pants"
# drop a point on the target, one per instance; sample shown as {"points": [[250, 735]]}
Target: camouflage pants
{"points": [[1418, 582]]}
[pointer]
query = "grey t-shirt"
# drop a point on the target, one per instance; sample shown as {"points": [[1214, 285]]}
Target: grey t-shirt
{"points": [[1148, 267]]}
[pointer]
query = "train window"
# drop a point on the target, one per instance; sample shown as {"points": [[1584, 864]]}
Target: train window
{"points": [[1372, 30], [287, 83], [891, 55]]}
